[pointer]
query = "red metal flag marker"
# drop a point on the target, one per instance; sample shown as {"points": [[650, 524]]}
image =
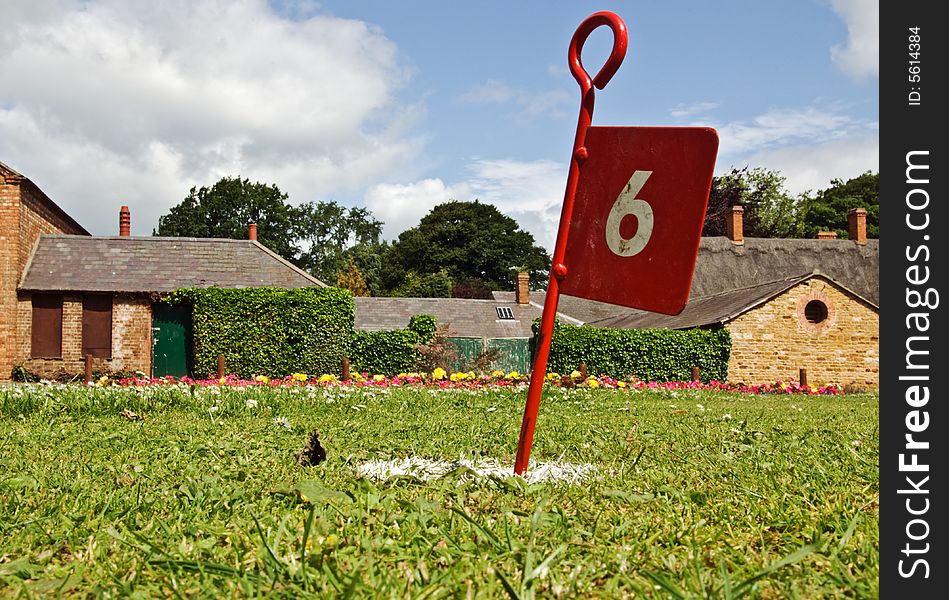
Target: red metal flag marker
{"points": [[632, 214]]}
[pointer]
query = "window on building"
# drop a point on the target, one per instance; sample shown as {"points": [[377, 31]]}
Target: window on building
{"points": [[505, 312], [47, 326], [97, 325], [815, 311]]}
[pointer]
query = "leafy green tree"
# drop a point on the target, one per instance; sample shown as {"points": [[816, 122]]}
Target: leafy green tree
{"points": [[469, 241], [326, 230], [225, 209], [770, 211], [827, 210], [430, 285], [317, 236]]}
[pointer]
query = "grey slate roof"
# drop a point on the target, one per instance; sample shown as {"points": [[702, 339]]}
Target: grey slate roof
{"points": [[724, 267], [155, 264], [465, 317], [711, 310]]}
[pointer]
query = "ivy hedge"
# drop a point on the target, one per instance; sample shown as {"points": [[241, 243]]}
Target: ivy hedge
{"points": [[391, 352], [647, 354], [270, 331]]}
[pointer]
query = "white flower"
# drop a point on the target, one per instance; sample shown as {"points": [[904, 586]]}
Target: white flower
{"points": [[726, 417], [251, 403], [282, 422]]}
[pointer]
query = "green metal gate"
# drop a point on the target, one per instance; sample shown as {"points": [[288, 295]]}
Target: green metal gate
{"points": [[513, 353], [171, 340]]}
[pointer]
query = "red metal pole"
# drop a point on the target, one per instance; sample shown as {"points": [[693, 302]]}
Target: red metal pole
{"points": [[558, 269]]}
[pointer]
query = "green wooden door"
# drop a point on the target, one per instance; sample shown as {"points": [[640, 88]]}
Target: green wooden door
{"points": [[171, 341]]}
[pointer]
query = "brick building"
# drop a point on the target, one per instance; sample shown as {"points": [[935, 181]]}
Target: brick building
{"points": [[65, 294], [25, 213], [789, 304]]}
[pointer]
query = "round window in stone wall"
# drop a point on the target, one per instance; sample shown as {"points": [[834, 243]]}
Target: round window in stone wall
{"points": [[815, 312]]}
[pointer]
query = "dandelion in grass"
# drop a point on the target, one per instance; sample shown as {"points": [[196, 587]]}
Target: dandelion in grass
{"points": [[282, 422]]}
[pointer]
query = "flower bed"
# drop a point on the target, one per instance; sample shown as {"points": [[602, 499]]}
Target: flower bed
{"points": [[439, 378]]}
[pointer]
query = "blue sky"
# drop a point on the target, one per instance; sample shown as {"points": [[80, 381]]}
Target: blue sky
{"points": [[398, 106]]}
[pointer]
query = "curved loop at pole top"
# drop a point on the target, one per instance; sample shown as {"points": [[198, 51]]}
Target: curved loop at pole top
{"points": [[620, 42]]}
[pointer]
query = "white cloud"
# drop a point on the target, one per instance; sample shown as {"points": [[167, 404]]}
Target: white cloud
{"points": [[859, 57], [402, 206], [529, 192], [525, 103], [682, 111], [779, 127], [110, 103], [813, 166]]}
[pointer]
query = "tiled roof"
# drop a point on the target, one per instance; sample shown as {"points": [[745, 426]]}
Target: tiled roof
{"points": [[465, 317], [711, 310], [155, 264], [723, 267]]}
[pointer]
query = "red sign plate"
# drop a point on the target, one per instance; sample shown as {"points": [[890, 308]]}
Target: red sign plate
{"points": [[638, 215]]}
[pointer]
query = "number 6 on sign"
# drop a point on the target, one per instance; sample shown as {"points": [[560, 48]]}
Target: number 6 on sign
{"points": [[658, 177], [628, 204]]}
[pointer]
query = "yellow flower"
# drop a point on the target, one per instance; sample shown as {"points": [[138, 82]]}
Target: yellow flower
{"points": [[592, 382], [327, 378], [262, 379], [439, 373], [552, 376], [513, 375], [378, 377], [620, 384], [298, 377], [497, 374], [575, 374]]}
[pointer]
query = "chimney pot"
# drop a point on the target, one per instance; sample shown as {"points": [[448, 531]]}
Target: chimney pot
{"points": [[252, 231], [522, 289], [827, 235], [857, 225], [734, 224], [125, 222]]}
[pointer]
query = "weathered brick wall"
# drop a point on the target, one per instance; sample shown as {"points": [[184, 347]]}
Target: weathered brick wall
{"points": [[131, 337], [24, 215], [9, 275], [775, 341]]}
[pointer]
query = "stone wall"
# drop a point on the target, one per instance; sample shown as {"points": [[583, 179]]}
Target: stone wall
{"points": [[774, 341], [131, 337]]}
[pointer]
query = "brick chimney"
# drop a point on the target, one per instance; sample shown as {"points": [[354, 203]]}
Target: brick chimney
{"points": [[125, 222], [857, 225], [252, 232], [522, 293], [734, 224], [827, 235]]}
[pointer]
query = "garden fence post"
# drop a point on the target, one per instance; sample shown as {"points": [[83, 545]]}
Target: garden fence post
{"points": [[220, 366], [345, 369], [88, 365], [803, 378], [695, 374]]}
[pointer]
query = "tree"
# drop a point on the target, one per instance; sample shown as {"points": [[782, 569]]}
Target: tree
{"points": [[469, 241], [327, 229], [226, 208], [430, 285], [827, 210], [351, 279], [316, 236], [770, 211]]}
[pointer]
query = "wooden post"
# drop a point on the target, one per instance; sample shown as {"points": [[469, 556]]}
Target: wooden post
{"points": [[803, 378], [583, 370], [345, 369], [220, 366], [88, 368], [695, 374]]}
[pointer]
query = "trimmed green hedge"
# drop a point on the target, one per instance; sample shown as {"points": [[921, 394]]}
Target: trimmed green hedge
{"points": [[648, 354], [391, 352], [270, 331]]}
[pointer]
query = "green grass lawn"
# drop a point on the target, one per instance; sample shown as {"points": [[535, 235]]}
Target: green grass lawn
{"points": [[695, 494]]}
